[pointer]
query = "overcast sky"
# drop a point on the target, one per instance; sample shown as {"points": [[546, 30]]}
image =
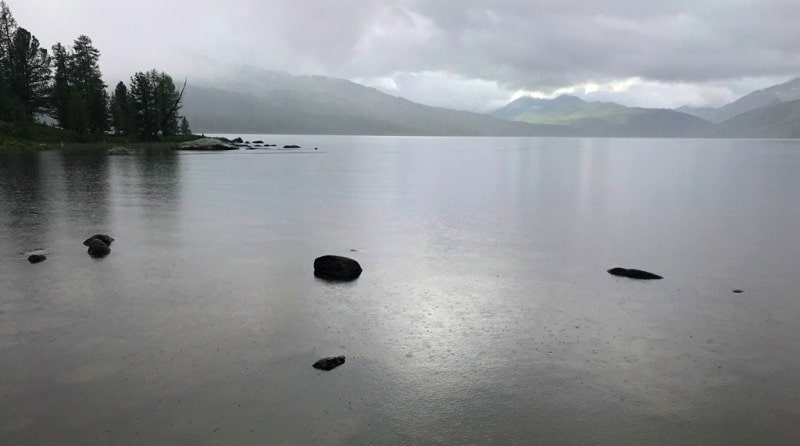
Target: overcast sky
{"points": [[466, 54]]}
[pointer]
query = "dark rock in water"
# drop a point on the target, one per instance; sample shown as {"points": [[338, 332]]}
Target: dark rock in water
{"points": [[329, 363], [98, 249], [270, 145], [118, 151], [336, 268], [634, 274], [206, 144], [258, 142], [291, 146], [107, 239], [239, 140], [36, 258], [316, 148], [737, 291]]}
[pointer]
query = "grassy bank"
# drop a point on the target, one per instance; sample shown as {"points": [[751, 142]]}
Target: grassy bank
{"points": [[36, 137]]}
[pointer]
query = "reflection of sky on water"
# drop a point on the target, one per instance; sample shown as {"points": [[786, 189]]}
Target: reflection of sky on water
{"points": [[484, 313]]}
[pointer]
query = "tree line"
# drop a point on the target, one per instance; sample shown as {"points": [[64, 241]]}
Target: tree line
{"points": [[66, 84]]}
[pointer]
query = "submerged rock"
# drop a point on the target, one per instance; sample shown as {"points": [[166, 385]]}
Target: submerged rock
{"points": [[291, 146], [107, 239], [738, 291], [210, 144], [336, 268], [258, 141], [118, 151], [36, 258], [634, 274], [98, 249], [329, 363]]}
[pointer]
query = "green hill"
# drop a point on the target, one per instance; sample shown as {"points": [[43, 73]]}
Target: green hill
{"points": [[776, 121], [603, 118]]}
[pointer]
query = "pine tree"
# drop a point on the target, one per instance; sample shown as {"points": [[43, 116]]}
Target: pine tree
{"points": [[24, 71], [9, 108], [144, 105], [156, 102], [122, 113], [167, 102], [185, 130], [86, 80], [30, 77], [61, 94]]}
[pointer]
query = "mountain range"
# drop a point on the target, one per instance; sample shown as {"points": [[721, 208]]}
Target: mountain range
{"points": [[256, 101], [276, 102], [603, 118], [775, 95]]}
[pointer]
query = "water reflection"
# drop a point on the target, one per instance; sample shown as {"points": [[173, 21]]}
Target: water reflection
{"points": [[484, 314], [24, 202]]}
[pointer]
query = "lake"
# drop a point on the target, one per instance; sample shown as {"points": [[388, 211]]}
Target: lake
{"points": [[484, 314]]}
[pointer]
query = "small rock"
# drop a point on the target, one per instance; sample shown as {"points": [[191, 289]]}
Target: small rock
{"points": [[336, 268], [98, 249], [239, 140], [36, 258], [258, 141], [118, 151], [634, 274], [291, 146], [329, 363], [107, 239], [738, 291]]}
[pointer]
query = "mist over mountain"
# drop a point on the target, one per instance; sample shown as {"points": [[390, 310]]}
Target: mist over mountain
{"points": [[256, 101], [774, 95], [260, 101]]}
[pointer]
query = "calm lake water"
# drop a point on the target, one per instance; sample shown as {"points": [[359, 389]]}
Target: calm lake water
{"points": [[484, 314]]}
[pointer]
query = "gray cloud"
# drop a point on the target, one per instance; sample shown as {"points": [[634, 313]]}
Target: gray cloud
{"points": [[487, 48]]}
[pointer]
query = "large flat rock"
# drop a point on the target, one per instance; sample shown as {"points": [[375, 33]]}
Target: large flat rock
{"points": [[211, 144]]}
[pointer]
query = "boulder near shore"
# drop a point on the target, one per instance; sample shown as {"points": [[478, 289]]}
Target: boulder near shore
{"points": [[332, 267], [329, 363], [206, 144], [107, 239], [36, 258], [118, 151], [98, 249], [99, 245], [634, 274]]}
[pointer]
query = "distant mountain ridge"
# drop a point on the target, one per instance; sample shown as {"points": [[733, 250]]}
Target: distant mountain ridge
{"points": [[258, 101], [276, 102], [603, 118], [776, 121], [777, 94]]}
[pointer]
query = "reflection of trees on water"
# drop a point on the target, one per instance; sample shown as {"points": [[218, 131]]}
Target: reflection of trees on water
{"points": [[23, 201], [81, 192], [160, 179], [86, 187]]}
